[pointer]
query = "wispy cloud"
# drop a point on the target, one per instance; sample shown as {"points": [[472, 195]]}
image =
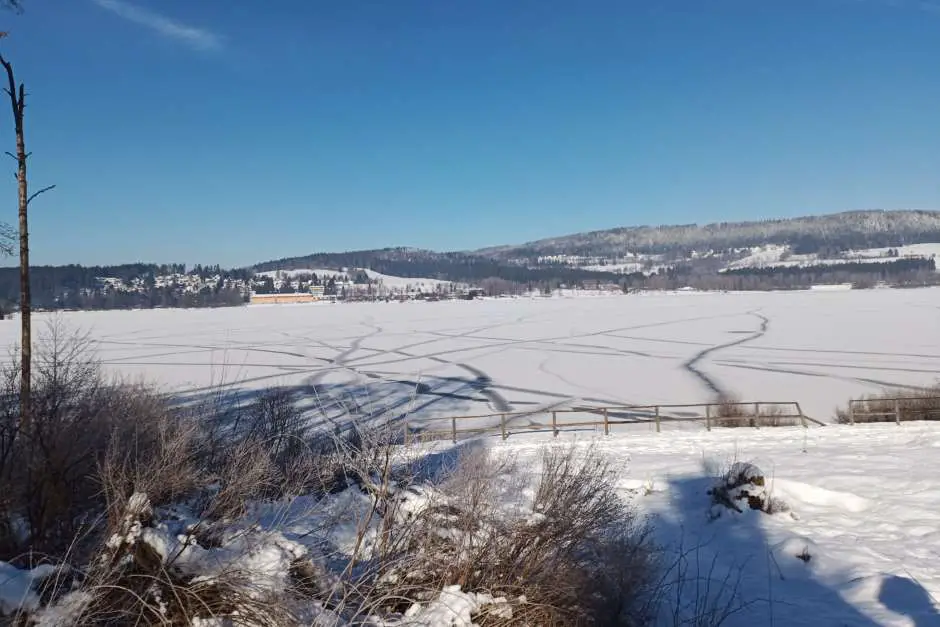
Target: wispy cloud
{"points": [[196, 38]]}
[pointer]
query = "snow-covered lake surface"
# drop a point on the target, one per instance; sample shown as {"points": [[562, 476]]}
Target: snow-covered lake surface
{"points": [[477, 357]]}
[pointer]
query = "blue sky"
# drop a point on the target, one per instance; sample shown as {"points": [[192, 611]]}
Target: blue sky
{"points": [[237, 131]]}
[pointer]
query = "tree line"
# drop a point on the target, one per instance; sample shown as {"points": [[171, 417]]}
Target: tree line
{"points": [[80, 287]]}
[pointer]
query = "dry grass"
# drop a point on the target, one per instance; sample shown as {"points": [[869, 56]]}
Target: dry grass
{"points": [[575, 554], [922, 404], [732, 413]]}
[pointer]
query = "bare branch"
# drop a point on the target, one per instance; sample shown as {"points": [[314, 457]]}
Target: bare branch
{"points": [[34, 194], [11, 90], [7, 239]]}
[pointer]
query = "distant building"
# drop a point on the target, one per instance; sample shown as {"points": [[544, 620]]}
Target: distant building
{"points": [[271, 299]]}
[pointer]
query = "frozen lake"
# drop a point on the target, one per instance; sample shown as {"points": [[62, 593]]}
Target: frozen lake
{"points": [[818, 348]]}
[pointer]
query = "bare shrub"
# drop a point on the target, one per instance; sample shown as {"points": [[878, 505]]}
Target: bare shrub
{"points": [[573, 552], [136, 581], [49, 465], [733, 413], [892, 405], [699, 592], [275, 419]]}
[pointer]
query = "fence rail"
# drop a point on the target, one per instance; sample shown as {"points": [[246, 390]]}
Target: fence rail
{"points": [[556, 420], [900, 408]]}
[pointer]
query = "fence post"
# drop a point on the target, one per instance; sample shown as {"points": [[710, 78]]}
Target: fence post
{"points": [[453, 426], [897, 411], [502, 424], [606, 423], [555, 424], [407, 435], [851, 413], [802, 417], [757, 414], [708, 417], [657, 419]]}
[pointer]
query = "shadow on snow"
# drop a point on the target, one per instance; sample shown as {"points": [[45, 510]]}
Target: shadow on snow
{"points": [[725, 563]]}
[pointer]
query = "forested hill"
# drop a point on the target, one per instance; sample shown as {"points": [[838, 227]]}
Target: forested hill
{"points": [[631, 255], [414, 263], [812, 234], [124, 286]]}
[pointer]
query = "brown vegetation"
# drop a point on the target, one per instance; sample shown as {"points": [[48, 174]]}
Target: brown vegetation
{"points": [[732, 413], [893, 406]]}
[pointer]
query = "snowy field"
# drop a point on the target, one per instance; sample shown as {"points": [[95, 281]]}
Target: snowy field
{"points": [[859, 544], [866, 523], [478, 357]]}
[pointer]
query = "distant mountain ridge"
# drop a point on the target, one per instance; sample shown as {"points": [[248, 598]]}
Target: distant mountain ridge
{"points": [[853, 229], [809, 234], [663, 257]]}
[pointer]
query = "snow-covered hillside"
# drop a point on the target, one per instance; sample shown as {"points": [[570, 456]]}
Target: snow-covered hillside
{"points": [[853, 226], [775, 255], [396, 282]]}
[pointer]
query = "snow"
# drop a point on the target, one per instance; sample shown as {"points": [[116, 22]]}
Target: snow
{"points": [[776, 255], [18, 587], [395, 282], [481, 357], [859, 545], [911, 250], [453, 608], [266, 558]]}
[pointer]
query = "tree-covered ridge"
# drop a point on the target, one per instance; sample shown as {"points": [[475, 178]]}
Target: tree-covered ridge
{"points": [[813, 234], [126, 286]]}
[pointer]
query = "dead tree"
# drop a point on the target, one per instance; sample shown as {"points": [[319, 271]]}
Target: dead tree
{"points": [[18, 103]]}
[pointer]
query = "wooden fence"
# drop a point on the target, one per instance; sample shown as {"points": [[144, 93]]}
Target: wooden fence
{"points": [[724, 414], [897, 409]]}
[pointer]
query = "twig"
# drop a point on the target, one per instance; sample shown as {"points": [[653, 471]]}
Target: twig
{"points": [[42, 191]]}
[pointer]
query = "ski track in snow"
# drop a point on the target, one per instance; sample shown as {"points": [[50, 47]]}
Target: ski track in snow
{"points": [[710, 382]]}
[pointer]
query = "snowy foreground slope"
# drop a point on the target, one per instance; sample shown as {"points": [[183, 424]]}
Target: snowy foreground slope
{"points": [[378, 360], [865, 509], [855, 541]]}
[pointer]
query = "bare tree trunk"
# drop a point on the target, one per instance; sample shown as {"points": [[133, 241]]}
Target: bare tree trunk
{"points": [[18, 102], [26, 336]]}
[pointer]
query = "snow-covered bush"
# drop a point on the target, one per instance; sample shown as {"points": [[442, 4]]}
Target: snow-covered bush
{"points": [[561, 547], [744, 487]]}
